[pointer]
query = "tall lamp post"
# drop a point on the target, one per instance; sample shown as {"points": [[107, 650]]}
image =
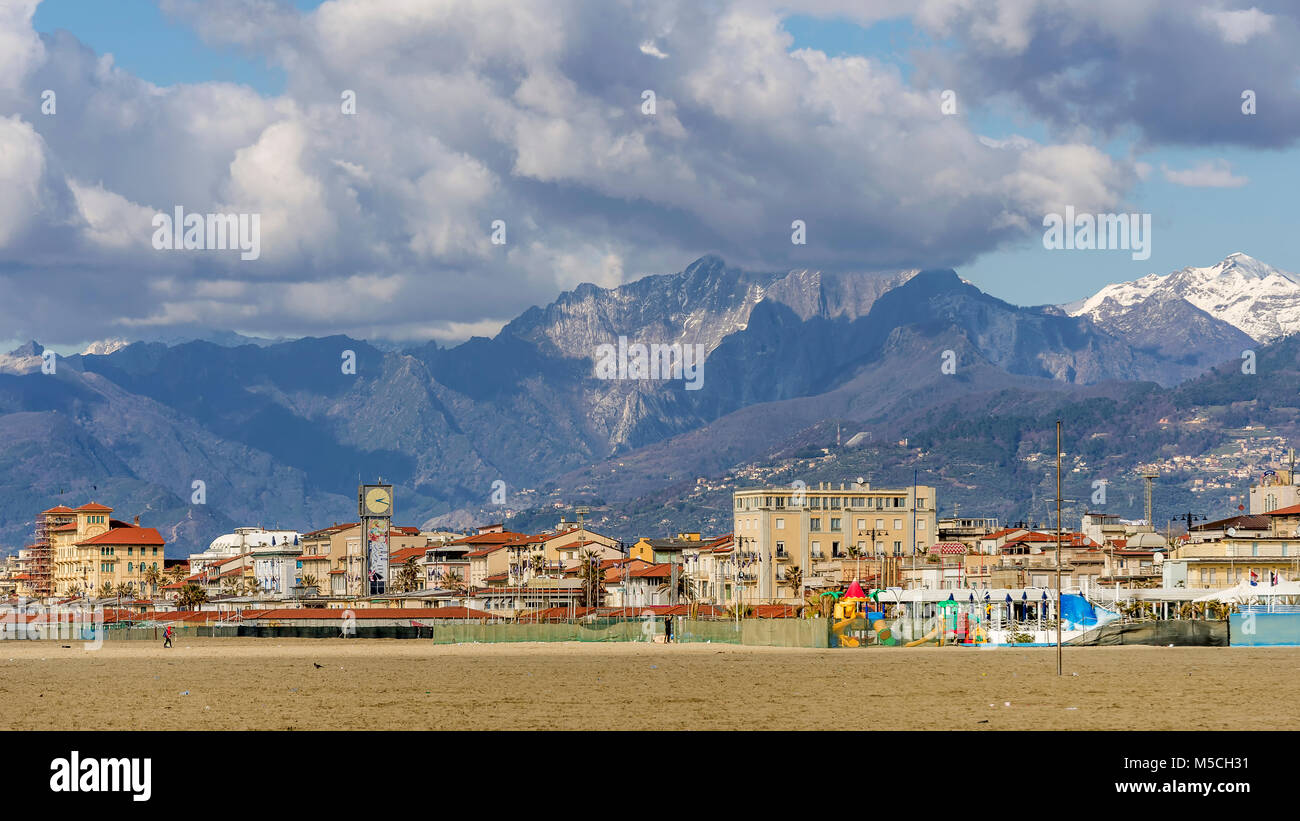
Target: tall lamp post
{"points": [[1058, 547]]}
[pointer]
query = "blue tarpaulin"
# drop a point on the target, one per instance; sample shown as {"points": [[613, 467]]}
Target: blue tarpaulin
{"points": [[1078, 612]]}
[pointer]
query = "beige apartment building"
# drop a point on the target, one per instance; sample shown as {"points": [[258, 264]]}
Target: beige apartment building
{"points": [[91, 549], [813, 530]]}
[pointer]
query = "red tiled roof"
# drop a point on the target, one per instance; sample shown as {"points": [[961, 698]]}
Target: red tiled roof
{"points": [[95, 507], [1293, 510], [490, 538], [335, 614], [401, 555], [59, 509], [654, 571], [330, 529], [126, 536]]}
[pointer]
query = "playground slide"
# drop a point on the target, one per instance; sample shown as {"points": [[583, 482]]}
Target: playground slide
{"points": [[933, 635], [839, 627]]}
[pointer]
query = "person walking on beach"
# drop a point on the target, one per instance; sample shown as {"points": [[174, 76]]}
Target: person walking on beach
{"points": [[167, 637]]}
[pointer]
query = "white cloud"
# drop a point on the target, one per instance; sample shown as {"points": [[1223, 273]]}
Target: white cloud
{"points": [[112, 220], [648, 47], [470, 111], [1210, 174], [22, 167], [1238, 26]]}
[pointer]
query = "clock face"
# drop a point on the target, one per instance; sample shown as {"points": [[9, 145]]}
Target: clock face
{"points": [[378, 500]]}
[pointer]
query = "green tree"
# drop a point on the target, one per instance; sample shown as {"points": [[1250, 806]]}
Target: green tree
{"points": [[191, 596], [408, 578], [154, 578], [593, 578]]}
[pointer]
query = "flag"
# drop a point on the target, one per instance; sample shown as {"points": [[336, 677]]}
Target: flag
{"points": [[1254, 578], [1272, 578]]}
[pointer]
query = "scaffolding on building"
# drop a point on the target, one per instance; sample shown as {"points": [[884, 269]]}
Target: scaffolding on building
{"points": [[40, 553]]}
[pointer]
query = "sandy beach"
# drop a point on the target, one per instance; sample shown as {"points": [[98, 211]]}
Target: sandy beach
{"points": [[234, 684]]}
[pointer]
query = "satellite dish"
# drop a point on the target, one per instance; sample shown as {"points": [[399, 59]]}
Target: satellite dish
{"points": [[1232, 531], [1159, 557]]}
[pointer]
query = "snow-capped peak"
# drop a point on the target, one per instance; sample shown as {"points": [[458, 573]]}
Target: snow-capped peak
{"points": [[1258, 299], [104, 347]]}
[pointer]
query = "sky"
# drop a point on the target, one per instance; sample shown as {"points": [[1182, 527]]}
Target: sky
{"points": [[901, 133]]}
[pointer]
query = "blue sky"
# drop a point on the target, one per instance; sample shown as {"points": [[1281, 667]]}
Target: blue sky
{"points": [[145, 42], [615, 214]]}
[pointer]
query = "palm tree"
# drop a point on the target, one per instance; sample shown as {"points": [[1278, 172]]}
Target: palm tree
{"points": [[310, 581], [177, 572], [409, 576], [105, 590], [191, 596], [153, 577], [685, 590], [793, 576], [124, 589], [75, 590], [451, 580], [230, 586], [592, 578]]}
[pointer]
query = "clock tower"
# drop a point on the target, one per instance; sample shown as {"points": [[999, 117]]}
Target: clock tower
{"points": [[375, 504]]}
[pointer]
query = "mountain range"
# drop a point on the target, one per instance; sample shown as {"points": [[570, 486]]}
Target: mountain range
{"points": [[797, 364]]}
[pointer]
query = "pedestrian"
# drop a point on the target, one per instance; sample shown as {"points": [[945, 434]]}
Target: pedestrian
{"points": [[167, 637]]}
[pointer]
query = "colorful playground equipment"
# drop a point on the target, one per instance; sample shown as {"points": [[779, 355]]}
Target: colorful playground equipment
{"points": [[852, 617]]}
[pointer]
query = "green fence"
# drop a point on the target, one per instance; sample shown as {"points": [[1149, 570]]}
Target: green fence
{"points": [[759, 632]]}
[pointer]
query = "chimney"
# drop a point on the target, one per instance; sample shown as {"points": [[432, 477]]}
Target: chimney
{"points": [[137, 520]]}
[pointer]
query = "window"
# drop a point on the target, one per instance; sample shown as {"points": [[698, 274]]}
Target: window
{"points": [[817, 550], [862, 524], [920, 524], [835, 550], [780, 523], [780, 548], [880, 524], [898, 524], [814, 523], [835, 524], [898, 548]]}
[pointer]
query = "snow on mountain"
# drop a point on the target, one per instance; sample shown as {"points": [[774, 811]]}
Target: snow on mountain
{"points": [[104, 347], [1256, 298]]}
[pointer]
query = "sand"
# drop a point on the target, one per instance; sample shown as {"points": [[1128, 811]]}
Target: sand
{"points": [[235, 684]]}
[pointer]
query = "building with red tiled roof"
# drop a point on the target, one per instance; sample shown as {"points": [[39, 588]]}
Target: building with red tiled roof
{"points": [[89, 551]]}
